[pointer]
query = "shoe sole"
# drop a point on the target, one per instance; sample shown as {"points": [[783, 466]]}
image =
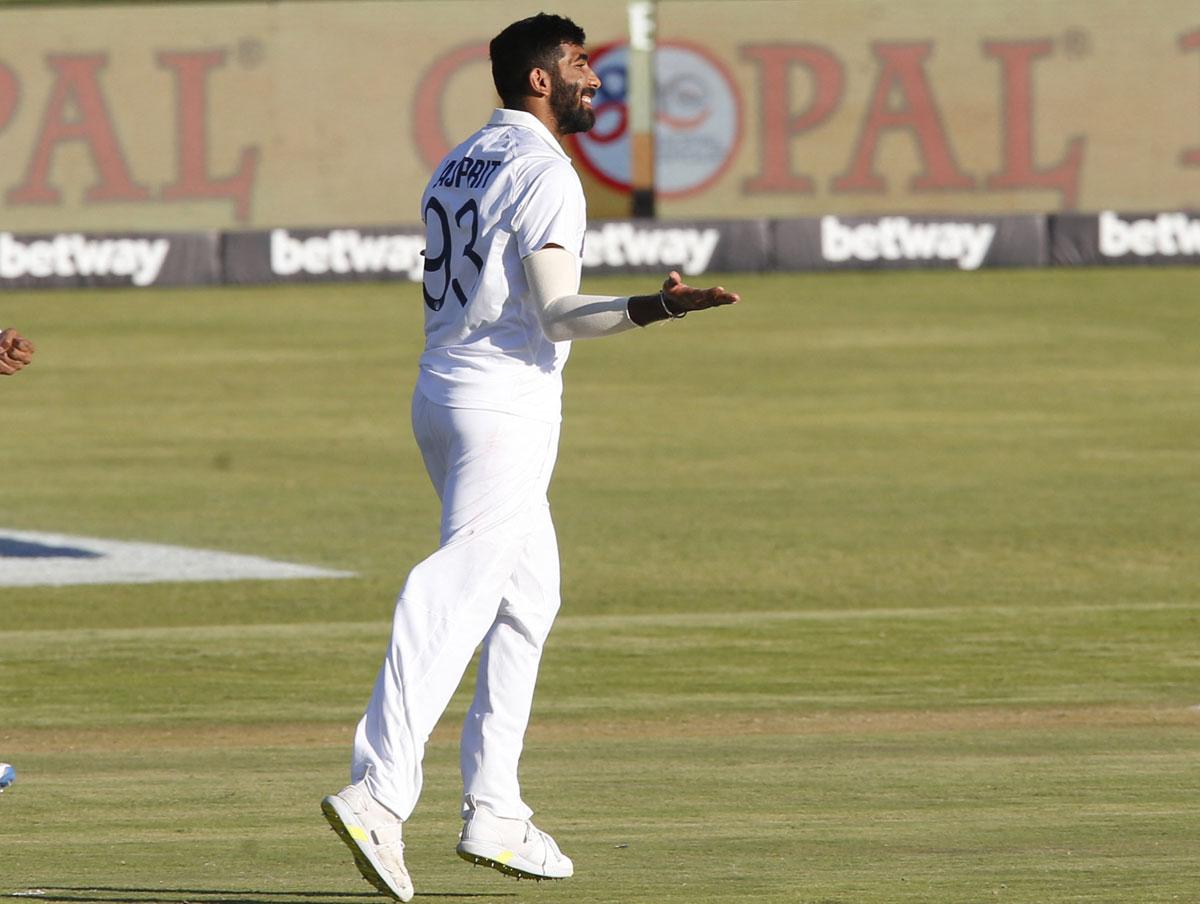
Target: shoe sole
{"points": [[502, 860], [342, 821]]}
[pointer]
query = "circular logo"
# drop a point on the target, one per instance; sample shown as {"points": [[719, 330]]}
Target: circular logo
{"points": [[698, 120]]}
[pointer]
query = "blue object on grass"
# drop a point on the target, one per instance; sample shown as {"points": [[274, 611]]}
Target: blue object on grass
{"points": [[12, 548], [8, 775]]}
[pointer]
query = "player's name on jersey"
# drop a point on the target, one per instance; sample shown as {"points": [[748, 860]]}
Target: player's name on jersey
{"points": [[469, 173]]}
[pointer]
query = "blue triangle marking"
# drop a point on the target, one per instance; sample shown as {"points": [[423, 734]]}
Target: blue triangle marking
{"points": [[23, 549]]}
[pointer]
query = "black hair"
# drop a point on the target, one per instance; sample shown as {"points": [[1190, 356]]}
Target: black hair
{"points": [[526, 45]]}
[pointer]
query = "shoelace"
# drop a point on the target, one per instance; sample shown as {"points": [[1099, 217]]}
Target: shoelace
{"points": [[392, 856], [548, 843]]}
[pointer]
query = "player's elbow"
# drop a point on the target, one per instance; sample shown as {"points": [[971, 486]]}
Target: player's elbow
{"points": [[555, 328]]}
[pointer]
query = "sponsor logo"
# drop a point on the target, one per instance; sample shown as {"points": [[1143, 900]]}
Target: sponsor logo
{"points": [[1168, 234], [347, 251], [698, 120], [899, 238], [74, 255], [624, 244]]}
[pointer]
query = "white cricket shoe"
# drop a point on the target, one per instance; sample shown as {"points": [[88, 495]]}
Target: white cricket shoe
{"points": [[515, 847], [372, 832]]}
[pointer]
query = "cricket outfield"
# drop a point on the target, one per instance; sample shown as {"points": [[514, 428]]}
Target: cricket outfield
{"points": [[877, 588]]}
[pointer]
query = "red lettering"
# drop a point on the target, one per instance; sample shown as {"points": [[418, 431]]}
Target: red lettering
{"points": [[193, 180], [1190, 41], [777, 121], [10, 94], [903, 73], [428, 128], [1020, 171], [77, 90]]}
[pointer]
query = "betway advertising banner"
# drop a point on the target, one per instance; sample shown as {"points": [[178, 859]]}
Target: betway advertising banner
{"points": [[832, 242], [324, 255], [636, 247], [692, 248], [1164, 237], [251, 116], [381, 253], [77, 260]]}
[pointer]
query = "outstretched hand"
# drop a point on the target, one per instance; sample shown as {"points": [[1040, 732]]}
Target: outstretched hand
{"points": [[681, 298], [15, 352]]}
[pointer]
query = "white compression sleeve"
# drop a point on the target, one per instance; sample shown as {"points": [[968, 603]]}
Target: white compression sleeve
{"points": [[553, 277]]}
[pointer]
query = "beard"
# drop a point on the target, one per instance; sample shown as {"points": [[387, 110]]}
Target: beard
{"points": [[566, 103]]}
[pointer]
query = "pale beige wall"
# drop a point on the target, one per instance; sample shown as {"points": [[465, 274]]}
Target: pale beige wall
{"points": [[1119, 77], [324, 113]]}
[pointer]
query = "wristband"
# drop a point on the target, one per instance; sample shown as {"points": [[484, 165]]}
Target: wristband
{"points": [[662, 299]]}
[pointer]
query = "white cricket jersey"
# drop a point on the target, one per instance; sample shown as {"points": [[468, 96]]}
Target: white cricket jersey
{"points": [[502, 194]]}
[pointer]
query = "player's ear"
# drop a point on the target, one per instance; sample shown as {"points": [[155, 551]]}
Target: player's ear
{"points": [[539, 82]]}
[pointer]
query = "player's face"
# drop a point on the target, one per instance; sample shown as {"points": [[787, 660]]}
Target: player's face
{"points": [[572, 87]]}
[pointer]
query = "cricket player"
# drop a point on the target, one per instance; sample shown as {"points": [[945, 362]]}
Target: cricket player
{"points": [[505, 220], [16, 352]]}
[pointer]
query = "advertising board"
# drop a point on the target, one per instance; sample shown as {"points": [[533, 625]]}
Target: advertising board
{"points": [[256, 115]]}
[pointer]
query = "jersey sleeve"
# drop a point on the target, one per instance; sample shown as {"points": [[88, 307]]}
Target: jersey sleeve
{"points": [[552, 210]]}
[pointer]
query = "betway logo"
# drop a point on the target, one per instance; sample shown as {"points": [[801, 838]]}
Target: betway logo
{"points": [[899, 238], [347, 251], [138, 260], [624, 245], [1169, 234]]}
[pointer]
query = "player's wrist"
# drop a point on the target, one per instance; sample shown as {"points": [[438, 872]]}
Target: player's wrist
{"points": [[645, 310], [667, 309]]}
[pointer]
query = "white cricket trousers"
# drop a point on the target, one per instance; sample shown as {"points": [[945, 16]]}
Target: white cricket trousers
{"points": [[493, 580]]}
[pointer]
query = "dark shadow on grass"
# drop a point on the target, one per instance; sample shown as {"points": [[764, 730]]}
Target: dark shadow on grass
{"points": [[110, 895]]}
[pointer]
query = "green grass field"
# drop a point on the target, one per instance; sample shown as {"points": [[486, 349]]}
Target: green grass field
{"points": [[878, 588]]}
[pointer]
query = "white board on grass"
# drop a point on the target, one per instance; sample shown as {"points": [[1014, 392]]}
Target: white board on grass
{"points": [[33, 559]]}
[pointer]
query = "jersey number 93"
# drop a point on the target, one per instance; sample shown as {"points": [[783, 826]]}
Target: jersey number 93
{"points": [[450, 270]]}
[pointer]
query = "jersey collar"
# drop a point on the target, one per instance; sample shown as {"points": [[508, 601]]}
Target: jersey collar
{"points": [[506, 117]]}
